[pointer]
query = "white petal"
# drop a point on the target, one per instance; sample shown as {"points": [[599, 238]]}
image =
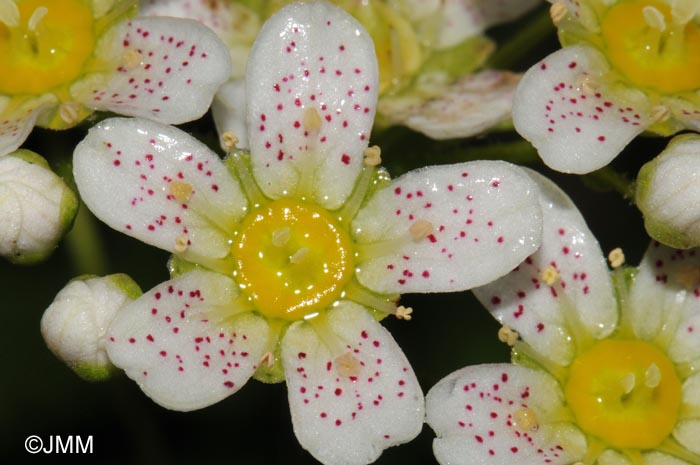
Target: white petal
{"points": [[465, 18], [75, 325], [547, 316], [687, 431], [312, 90], [664, 303], [659, 458], [350, 415], [668, 193], [17, 120], [229, 111], [483, 219], [36, 207], [468, 107], [165, 69], [501, 414], [180, 343], [576, 127], [160, 185]]}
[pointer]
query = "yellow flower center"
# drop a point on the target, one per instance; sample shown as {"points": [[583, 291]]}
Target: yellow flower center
{"points": [[626, 393], [650, 48], [292, 259], [45, 45]]}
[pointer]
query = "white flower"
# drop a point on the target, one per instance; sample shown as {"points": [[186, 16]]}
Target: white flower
{"points": [[429, 56], [625, 67], [285, 259], [62, 60], [606, 370], [36, 207]]}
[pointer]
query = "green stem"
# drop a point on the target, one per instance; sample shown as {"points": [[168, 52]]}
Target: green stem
{"points": [[608, 178], [85, 245], [522, 42]]}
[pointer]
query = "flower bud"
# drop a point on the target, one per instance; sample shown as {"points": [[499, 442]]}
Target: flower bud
{"points": [[75, 324], [668, 193], [36, 207]]}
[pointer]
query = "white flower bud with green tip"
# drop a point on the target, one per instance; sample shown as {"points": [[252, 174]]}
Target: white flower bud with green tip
{"points": [[75, 324], [37, 207], [668, 193]]}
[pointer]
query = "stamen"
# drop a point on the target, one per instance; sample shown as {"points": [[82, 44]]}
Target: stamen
{"points": [[421, 229], [267, 359], [660, 114], [243, 172], [281, 236], [347, 365], [312, 120], [526, 419], [652, 376], [654, 18], [628, 382], [229, 140], [69, 112], [353, 203], [36, 18], [404, 313], [299, 256], [550, 276], [181, 191], [182, 243], [683, 11], [9, 13], [373, 156], [557, 12], [360, 295], [616, 258], [586, 84], [132, 58], [507, 335]]}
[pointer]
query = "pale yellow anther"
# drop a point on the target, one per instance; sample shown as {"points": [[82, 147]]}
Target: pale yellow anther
{"points": [[9, 13], [268, 359], [182, 243], [181, 190], [654, 18], [132, 58], [652, 376], [281, 236], [373, 156], [69, 112], [550, 276], [229, 139], [526, 419], [347, 365], [312, 119], [507, 335], [299, 256], [420, 229], [616, 258], [628, 382], [404, 313], [660, 114], [687, 277], [557, 12], [36, 18]]}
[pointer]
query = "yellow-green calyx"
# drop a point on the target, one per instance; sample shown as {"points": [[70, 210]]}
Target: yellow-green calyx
{"points": [[626, 393]]}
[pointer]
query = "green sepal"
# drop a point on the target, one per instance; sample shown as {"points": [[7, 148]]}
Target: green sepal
{"points": [[126, 284], [177, 266], [94, 373], [275, 373]]}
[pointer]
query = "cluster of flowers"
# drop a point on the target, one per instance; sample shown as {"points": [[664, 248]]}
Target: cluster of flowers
{"points": [[289, 251]]}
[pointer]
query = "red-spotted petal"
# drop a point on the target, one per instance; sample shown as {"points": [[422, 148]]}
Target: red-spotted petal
{"points": [[447, 228], [687, 430], [468, 107], [17, 119], [355, 398], [576, 124], [160, 185], [664, 304], [580, 298], [312, 89], [181, 343], [165, 69], [501, 414]]}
